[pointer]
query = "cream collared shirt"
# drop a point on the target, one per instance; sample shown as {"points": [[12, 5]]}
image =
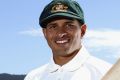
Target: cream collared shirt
{"points": [[82, 67]]}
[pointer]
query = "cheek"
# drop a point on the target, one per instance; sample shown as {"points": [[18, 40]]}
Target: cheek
{"points": [[77, 37], [49, 37], [76, 34]]}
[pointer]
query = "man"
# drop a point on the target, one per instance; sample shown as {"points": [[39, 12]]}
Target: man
{"points": [[63, 26]]}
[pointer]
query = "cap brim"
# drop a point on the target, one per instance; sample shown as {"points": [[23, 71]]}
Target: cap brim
{"points": [[50, 18]]}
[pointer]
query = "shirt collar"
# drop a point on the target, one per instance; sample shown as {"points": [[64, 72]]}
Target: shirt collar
{"points": [[72, 65]]}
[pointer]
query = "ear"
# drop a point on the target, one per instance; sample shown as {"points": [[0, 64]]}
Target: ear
{"points": [[83, 30], [44, 32]]}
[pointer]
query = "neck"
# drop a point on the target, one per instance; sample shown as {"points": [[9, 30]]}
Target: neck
{"points": [[61, 60]]}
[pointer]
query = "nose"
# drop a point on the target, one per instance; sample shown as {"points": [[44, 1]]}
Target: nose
{"points": [[61, 32]]}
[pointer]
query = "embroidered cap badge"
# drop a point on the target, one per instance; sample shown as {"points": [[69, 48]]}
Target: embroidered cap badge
{"points": [[59, 7]]}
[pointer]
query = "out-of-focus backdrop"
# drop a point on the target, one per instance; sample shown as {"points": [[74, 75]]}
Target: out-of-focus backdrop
{"points": [[23, 46]]}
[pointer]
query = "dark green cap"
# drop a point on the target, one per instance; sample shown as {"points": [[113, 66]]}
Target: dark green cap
{"points": [[61, 9]]}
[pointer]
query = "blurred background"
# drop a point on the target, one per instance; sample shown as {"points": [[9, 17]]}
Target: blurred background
{"points": [[23, 46]]}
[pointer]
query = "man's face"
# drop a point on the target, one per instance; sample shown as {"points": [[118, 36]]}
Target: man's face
{"points": [[64, 36]]}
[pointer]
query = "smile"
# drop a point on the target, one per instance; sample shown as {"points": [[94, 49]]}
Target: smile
{"points": [[62, 41]]}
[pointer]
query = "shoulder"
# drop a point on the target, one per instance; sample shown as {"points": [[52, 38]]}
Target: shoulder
{"points": [[98, 65], [34, 74]]}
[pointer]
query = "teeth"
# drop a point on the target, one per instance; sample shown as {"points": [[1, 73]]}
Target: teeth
{"points": [[64, 41]]}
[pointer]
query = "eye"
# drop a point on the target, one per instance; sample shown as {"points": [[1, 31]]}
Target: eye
{"points": [[70, 26], [51, 27]]}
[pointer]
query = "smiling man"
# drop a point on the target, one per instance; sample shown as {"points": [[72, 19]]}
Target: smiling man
{"points": [[63, 26], [63, 36]]}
